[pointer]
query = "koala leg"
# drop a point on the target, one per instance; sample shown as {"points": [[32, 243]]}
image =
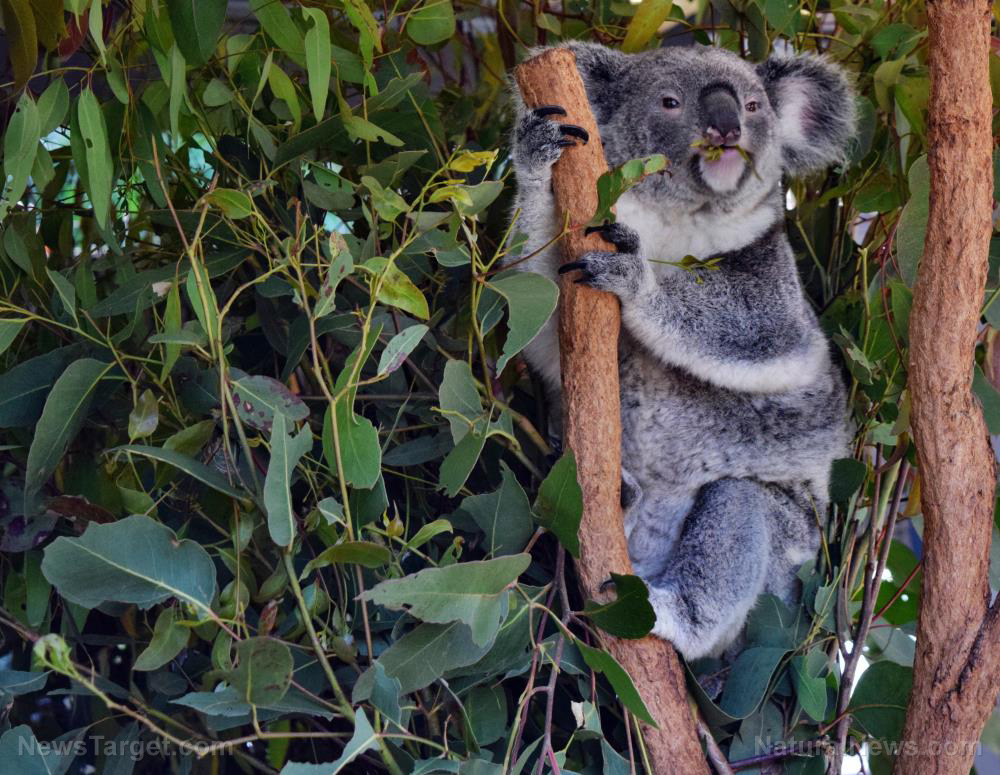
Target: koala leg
{"points": [[717, 568]]}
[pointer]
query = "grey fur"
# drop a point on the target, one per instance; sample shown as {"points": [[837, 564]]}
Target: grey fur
{"points": [[732, 410]]}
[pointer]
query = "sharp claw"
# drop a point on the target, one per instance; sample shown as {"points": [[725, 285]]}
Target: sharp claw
{"points": [[566, 143], [575, 131], [606, 584], [549, 110], [571, 266], [595, 229], [584, 280]]}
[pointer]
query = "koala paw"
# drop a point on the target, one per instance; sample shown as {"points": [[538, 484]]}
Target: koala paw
{"points": [[622, 273], [539, 141]]}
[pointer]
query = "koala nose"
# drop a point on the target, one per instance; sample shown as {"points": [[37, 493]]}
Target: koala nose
{"points": [[722, 117]]}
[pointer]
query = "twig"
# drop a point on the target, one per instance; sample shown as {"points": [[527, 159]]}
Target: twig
{"points": [[715, 755]]}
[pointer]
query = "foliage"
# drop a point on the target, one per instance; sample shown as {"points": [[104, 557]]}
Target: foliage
{"points": [[273, 476]]}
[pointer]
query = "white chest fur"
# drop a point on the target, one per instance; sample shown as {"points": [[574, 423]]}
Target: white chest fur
{"points": [[703, 234]]}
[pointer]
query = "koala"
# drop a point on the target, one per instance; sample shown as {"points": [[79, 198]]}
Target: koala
{"points": [[732, 408]]}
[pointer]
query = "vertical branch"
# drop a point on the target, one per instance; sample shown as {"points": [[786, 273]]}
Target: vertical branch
{"points": [[589, 322], [957, 659]]}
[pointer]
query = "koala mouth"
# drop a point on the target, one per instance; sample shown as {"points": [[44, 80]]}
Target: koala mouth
{"points": [[722, 167]]}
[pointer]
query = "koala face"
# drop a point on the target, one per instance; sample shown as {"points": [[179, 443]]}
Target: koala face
{"points": [[729, 129]]}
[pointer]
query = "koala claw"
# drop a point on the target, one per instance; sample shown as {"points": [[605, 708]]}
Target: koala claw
{"points": [[575, 131], [621, 236], [571, 265], [606, 585], [549, 110], [620, 273]]}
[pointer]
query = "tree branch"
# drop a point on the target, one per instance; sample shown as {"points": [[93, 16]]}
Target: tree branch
{"points": [[956, 663], [589, 323]]}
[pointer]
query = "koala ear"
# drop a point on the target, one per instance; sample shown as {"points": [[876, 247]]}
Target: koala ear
{"points": [[814, 104], [601, 69]]}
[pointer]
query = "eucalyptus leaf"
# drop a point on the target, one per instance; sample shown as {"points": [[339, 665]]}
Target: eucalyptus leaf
{"points": [[286, 451], [134, 560]]}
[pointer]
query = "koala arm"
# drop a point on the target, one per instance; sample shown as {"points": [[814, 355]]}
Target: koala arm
{"points": [[748, 349], [744, 325]]}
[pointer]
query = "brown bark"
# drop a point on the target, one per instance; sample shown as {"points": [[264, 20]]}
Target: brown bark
{"points": [[958, 649], [589, 322]]}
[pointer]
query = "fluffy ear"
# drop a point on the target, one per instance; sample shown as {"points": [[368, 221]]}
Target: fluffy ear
{"points": [[814, 104], [601, 69]]}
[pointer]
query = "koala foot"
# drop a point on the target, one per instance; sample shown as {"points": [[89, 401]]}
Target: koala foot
{"points": [[622, 273], [539, 141]]}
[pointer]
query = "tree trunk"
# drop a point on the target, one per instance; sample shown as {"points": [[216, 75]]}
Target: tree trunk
{"points": [[589, 322], [957, 658]]}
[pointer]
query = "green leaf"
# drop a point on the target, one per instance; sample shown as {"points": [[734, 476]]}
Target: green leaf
{"points": [[65, 409], [286, 451], [319, 57], [422, 656], [363, 739], [178, 89], [781, 14], [184, 463], [370, 38], [283, 88], [846, 477], [471, 592], [360, 451], [260, 399], [14, 683], [396, 289], [504, 515], [144, 417], [22, 36], [235, 204], [878, 704], [341, 265], [432, 22], [364, 553], [459, 399], [277, 23], [196, 25], [560, 503], [621, 682], [531, 299], [169, 637], [263, 670], [400, 346], [458, 463], [32, 757], [613, 183], [66, 291], [810, 689], [23, 389], [386, 202], [53, 106], [912, 228], [9, 329], [628, 616], [135, 560], [94, 133], [171, 326], [749, 679], [647, 20], [20, 145]]}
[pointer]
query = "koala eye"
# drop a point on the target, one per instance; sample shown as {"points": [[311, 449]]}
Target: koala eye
{"points": [[751, 107], [670, 103]]}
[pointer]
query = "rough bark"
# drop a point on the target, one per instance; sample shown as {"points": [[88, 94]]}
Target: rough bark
{"points": [[589, 322], [958, 649]]}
